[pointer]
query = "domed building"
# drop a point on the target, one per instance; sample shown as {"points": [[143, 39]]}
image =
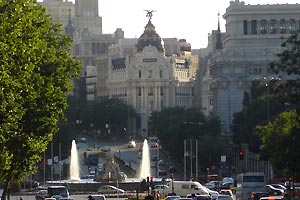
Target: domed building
{"points": [[150, 81]]}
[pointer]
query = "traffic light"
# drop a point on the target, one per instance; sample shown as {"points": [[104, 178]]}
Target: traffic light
{"points": [[241, 155]]}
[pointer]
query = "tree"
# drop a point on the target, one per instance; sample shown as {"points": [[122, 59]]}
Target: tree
{"points": [[35, 77], [288, 64], [281, 136], [173, 125], [281, 140]]}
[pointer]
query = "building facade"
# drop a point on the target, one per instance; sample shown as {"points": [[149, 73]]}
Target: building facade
{"points": [[253, 34], [150, 80]]}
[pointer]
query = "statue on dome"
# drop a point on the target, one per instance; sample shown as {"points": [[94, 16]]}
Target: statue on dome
{"points": [[149, 14]]}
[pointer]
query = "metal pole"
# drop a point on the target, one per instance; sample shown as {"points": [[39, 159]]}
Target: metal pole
{"points": [[184, 147], [44, 168], [191, 148], [196, 159], [59, 161], [52, 161]]}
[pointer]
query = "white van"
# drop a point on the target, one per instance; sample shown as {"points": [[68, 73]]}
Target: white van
{"points": [[183, 188]]}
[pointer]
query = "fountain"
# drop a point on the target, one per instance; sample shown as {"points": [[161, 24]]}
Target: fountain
{"points": [[145, 164], [74, 163]]}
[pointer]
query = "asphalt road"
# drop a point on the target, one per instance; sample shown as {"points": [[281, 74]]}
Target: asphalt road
{"points": [[75, 197]]}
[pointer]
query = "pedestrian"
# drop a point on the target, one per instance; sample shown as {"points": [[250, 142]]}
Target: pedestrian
{"points": [[21, 198]]}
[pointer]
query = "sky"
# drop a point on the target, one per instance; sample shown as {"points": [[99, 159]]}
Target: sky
{"points": [[192, 20]]}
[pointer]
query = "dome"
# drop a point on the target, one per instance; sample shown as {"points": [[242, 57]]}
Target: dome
{"points": [[150, 37]]}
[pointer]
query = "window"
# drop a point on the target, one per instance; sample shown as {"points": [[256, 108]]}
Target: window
{"points": [[160, 74], [292, 26], [245, 27], [140, 74], [253, 27], [273, 26], [150, 73], [210, 102], [263, 27], [282, 26], [150, 93], [161, 91], [139, 91]]}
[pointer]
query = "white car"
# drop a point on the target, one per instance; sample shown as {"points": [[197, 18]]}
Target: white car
{"points": [[110, 189], [131, 144]]}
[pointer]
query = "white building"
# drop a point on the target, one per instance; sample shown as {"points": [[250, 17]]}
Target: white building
{"points": [[253, 33], [149, 80]]}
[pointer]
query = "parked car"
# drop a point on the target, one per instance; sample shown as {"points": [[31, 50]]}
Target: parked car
{"points": [[110, 189]]}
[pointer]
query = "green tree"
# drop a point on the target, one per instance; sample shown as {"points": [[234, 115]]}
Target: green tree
{"points": [[173, 125], [281, 140], [281, 136], [288, 64], [35, 77]]}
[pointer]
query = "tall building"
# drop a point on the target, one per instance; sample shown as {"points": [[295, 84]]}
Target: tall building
{"points": [[59, 10], [150, 79], [253, 33]]}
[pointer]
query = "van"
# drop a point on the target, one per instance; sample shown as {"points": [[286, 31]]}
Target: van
{"points": [[183, 188]]}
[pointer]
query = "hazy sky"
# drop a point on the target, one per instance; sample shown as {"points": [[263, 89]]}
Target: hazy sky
{"points": [[188, 19], [192, 20]]}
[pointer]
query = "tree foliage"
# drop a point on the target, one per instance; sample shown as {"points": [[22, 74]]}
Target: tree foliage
{"points": [[281, 137], [35, 78], [113, 112], [281, 140], [173, 125]]}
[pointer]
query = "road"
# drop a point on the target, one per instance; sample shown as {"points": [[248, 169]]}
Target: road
{"points": [[75, 197], [119, 149]]}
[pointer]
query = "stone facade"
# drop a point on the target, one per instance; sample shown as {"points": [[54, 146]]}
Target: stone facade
{"points": [[253, 34], [149, 80]]}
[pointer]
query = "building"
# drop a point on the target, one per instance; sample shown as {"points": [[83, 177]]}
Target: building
{"points": [[253, 34], [59, 10], [152, 79]]}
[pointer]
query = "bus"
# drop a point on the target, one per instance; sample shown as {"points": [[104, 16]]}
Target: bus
{"points": [[249, 182]]}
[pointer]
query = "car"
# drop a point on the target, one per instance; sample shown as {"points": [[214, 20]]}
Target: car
{"points": [[162, 172], [161, 189], [258, 195], [172, 197], [227, 192], [274, 191], [105, 149], [279, 186], [132, 144], [110, 189], [199, 197], [58, 191], [96, 197], [224, 197], [83, 140], [41, 194]]}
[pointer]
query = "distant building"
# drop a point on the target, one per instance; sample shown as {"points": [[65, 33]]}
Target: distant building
{"points": [[149, 78], [253, 33]]}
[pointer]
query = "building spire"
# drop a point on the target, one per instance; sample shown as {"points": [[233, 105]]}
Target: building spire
{"points": [[69, 28], [219, 39]]}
